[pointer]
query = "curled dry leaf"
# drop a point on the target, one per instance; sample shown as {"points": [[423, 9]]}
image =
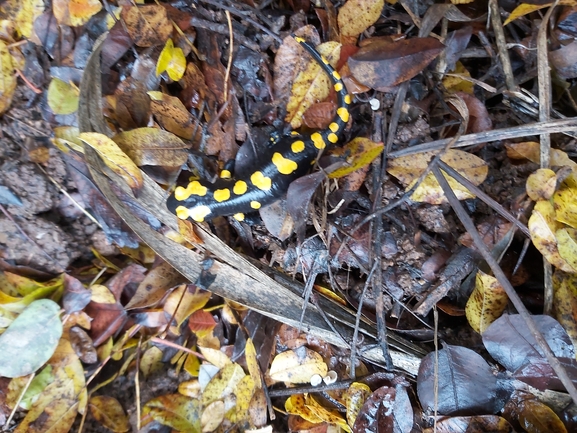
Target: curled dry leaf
{"points": [[486, 303], [480, 423], [355, 397], [541, 184], [543, 227], [172, 115], [408, 169], [533, 415], [311, 85], [114, 158], [297, 366]]}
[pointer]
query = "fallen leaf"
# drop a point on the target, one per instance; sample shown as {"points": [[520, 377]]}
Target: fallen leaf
{"points": [[114, 158], [541, 184], [356, 16], [297, 366], [108, 412], [486, 303], [31, 339]]}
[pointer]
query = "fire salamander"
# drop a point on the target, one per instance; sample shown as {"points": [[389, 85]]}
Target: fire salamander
{"points": [[288, 159]]}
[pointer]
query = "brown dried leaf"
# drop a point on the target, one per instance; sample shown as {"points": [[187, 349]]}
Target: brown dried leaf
{"points": [[147, 25], [383, 64]]}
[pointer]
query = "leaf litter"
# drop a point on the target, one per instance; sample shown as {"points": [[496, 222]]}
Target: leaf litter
{"points": [[174, 89]]}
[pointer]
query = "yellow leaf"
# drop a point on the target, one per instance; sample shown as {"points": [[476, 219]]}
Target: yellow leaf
{"points": [[223, 384], [541, 184], [244, 391], [454, 82], [101, 294], [62, 97], [327, 415], [524, 9], [486, 303], [151, 361], [212, 416], [177, 411], [360, 153], [58, 404], [23, 14], [567, 243], [67, 137], [75, 13], [295, 404], [172, 61], [408, 169], [184, 301], [565, 202], [312, 84], [297, 366], [537, 417], [114, 158], [7, 77], [356, 16], [355, 397], [252, 363], [542, 227], [215, 357], [108, 412]]}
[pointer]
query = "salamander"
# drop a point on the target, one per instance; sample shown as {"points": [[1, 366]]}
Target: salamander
{"points": [[288, 159]]}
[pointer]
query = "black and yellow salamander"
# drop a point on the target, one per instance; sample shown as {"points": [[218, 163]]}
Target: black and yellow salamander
{"points": [[288, 159]]}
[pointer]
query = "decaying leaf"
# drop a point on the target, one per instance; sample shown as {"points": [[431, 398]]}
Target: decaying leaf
{"points": [[108, 412], [75, 12], [7, 77], [62, 97], [541, 184], [355, 16], [297, 366], [311, 85], [486, 303], [147, 25], [359, 153], [114, 158], [543, 227], [408, 169]]}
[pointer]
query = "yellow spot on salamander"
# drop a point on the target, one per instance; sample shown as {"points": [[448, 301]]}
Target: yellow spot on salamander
{"points": [[238, 216], [294, 133], [199, 213], [318, 140], [347, 99], [225, 174], [343, 113], [222, 194], [336, 75], [338, 86], [193, 188], [181, 212], [283, 165], [255, 204], [298, 146], [299, 40], [261, 181], [240, 187], [334, 127], [332, 138], [325, 61]]}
